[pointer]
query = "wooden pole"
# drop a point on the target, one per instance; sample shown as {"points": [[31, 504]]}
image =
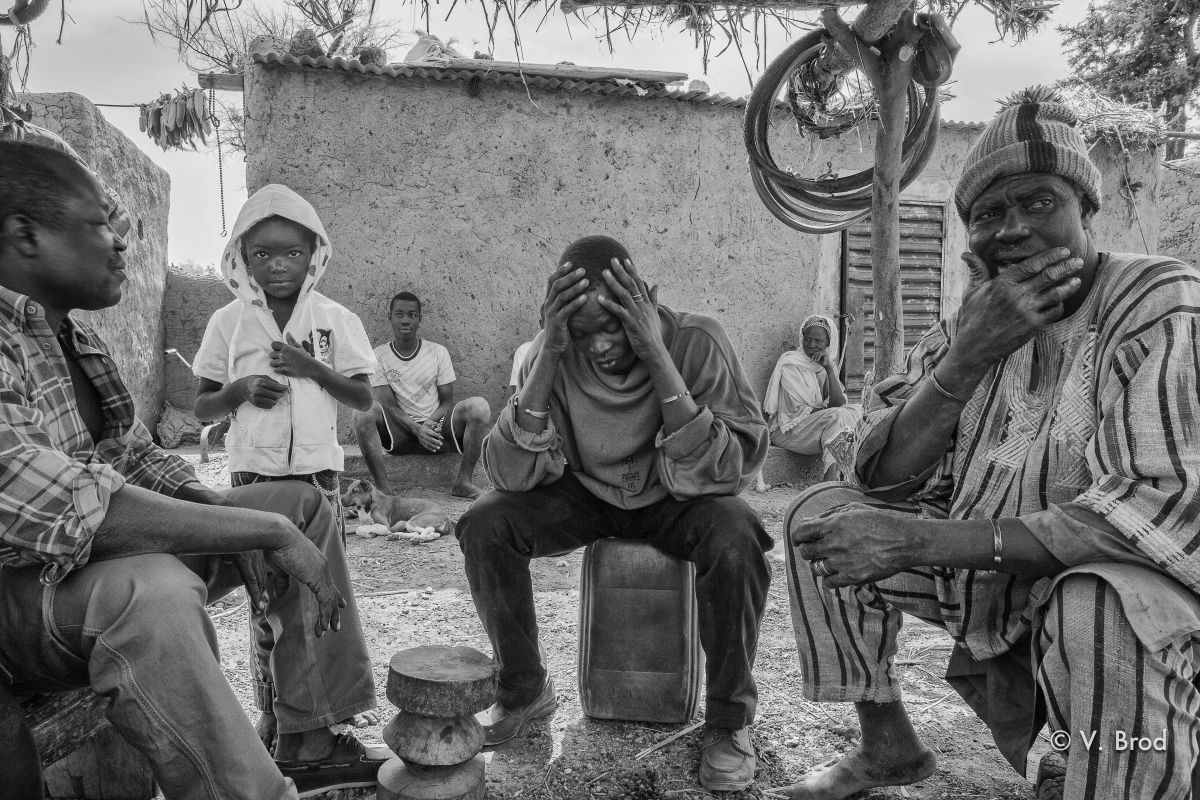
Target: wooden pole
{"points": [[896, 66], [889, 67]]}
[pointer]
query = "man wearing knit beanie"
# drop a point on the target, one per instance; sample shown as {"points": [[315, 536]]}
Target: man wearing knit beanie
{"points": [[1031, 482]]}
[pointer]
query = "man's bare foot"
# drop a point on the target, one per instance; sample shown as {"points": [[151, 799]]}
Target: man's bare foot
{"points": [[372, 717], [466, 489], [855, 773], [267, 727]]}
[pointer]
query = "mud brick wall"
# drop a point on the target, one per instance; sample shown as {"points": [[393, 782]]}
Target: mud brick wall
{"points": [[467, 200], [1179, 204]]}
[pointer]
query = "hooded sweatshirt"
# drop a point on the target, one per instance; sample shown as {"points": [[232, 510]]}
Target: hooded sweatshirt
{"points": [[608, 429], [299, 435]]}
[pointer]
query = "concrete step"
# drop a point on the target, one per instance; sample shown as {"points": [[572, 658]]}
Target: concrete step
{"points": [[439, 471], [435, 472]]}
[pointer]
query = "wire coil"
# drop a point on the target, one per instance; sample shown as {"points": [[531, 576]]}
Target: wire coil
{"points": [[826, 204]]}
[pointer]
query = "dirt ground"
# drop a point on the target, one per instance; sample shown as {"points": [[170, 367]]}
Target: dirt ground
{"points": [[412, 595]]}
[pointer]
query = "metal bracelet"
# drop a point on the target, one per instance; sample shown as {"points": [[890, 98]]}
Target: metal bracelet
{"points": [[537, 414], [942, 389], [675, 397], [997, 541]]}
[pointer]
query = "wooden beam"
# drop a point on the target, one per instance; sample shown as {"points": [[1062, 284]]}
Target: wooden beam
{"points": [[222, 81], [560, 71]]}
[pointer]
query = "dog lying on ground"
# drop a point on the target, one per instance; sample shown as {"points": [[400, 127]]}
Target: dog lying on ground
{"points": [[404, 517]]}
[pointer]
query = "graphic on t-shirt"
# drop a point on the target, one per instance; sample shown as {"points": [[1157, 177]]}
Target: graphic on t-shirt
{"points": [[324, 344], [414, 379], [631, 474]]}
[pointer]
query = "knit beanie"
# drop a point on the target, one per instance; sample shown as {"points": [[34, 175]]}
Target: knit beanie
{"points": [[1034, 132]]}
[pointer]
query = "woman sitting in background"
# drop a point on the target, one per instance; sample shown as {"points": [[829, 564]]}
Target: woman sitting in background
{"points": [[805, 403]]}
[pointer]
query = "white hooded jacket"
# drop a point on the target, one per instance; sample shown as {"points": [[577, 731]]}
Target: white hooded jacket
{"points": [[299, 435]]}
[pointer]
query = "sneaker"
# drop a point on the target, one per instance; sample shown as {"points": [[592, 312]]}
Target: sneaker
{"points": [[727, 759], [501, 724], [351, 765]]}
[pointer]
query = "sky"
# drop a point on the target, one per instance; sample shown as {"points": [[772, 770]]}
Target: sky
{"points": [[108, 59]]}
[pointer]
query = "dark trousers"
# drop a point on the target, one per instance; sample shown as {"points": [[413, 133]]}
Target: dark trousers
{"points": [[722, 536]]}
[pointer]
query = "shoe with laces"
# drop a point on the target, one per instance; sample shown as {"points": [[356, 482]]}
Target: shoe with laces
{"points": [[351, 765], [501, 724], [727, 759]]}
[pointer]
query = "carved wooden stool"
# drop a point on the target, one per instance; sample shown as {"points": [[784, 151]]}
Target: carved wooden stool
{"points": [[436, 736]]}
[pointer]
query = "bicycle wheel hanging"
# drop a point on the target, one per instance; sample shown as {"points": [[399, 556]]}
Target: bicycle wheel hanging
{"points": [[829, 204]]}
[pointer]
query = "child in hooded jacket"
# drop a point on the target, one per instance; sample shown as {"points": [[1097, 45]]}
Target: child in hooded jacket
{"points": [[278, 359]]}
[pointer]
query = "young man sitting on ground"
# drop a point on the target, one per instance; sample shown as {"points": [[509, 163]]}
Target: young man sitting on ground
{"points": [[414, 410]]}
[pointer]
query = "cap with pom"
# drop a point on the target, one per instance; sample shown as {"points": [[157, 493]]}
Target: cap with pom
{"points": [[1034, 132]]}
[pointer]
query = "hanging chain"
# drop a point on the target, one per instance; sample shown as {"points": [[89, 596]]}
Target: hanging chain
{"points": [[212, 112]]}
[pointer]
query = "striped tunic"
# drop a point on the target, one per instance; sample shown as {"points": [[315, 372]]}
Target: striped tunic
{"points": [[1112, 428]]}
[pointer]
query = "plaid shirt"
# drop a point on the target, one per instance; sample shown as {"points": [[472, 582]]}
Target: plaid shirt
{"points": [[55, 483]]}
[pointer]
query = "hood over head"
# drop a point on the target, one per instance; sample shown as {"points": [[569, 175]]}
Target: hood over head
{"points": [[272, 200]]}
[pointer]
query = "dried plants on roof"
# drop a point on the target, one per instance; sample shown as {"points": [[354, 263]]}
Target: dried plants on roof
{"points": [[717, 25]]}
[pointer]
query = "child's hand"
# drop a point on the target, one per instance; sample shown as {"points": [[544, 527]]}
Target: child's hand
{"points": [[291, 360], [261, 391]]}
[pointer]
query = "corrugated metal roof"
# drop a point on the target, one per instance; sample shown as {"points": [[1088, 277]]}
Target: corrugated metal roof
{"points": [[449, 73]]}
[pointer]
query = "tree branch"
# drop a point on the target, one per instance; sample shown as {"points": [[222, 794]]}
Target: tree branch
{"points": [[849, 42]]}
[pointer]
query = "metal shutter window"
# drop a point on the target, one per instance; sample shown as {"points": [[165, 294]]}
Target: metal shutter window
{"points": [[922, 240]]}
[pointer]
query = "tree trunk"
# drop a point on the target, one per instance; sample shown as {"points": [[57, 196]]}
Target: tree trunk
{"points": [[896, 58], [889, 68]]}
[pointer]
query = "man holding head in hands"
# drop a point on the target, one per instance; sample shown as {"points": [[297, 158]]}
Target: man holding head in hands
{"points": [[635, 421]]}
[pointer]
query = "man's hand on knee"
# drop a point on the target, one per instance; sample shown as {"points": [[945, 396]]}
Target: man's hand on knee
{"points": [[300, 558], [855, 544]]}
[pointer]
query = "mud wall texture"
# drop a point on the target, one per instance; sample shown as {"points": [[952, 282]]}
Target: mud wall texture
{"points": [[1179, 205], [467, 199], [133, 328], [193, 294]]}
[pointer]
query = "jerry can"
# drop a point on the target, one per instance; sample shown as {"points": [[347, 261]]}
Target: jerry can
{"points": [[639, 641]]}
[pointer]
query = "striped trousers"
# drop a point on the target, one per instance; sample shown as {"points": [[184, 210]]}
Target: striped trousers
{"points": [[1130, 715]]}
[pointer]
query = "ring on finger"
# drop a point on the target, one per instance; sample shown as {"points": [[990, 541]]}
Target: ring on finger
{"points": [[637, 298], [821, 569]]}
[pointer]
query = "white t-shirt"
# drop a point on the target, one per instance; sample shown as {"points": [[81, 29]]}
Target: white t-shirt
{"points": [[518, 361], [414, 380]]}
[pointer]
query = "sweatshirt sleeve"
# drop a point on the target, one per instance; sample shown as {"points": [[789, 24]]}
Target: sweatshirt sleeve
{"points": [[516, 460], [723, 448]]}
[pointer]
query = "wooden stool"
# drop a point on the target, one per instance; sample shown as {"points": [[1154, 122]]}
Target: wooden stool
{"points": [[62, 742], [436, 736], [639, 639]]}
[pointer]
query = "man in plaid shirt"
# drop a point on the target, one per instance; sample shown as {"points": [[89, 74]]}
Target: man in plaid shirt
{"points": [[110, 548]]}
